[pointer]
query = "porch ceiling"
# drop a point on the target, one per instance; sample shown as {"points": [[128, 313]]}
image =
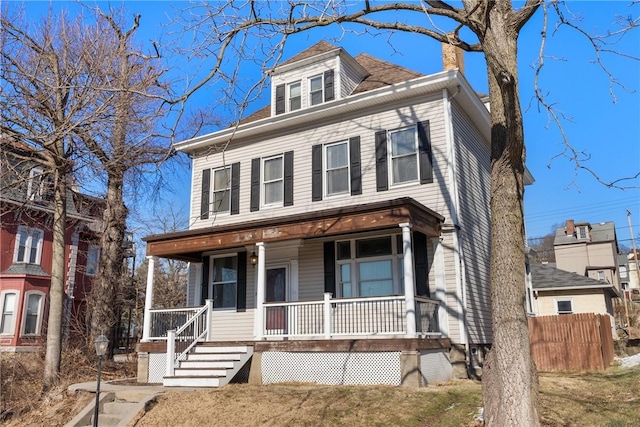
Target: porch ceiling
{"points": [[189, 245]]}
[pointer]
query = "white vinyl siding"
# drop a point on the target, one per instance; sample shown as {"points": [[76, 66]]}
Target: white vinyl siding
{"points": [[473, 166], [431, 195]]}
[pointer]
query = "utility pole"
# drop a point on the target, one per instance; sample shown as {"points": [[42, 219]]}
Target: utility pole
{"points": [[635, 257]]}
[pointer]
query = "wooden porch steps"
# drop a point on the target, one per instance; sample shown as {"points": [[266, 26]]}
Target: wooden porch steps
{"points": [[209, 366]]}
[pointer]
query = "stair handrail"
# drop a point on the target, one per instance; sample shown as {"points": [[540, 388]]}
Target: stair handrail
{"points": [[174, 334]]}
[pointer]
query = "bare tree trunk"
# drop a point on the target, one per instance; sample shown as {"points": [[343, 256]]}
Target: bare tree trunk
{"points": [[106, 287], [510, 380], [56, 292]]}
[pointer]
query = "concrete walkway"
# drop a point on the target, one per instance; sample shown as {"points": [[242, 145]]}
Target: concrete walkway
{"points": [[119, 403]]}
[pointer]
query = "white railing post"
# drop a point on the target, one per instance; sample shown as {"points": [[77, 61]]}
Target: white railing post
{"points": [[209, 304], [327, 315], [171, 352], [260, 291], [148, 300], [409, 282]]}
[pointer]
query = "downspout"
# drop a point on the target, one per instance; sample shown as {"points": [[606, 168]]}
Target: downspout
{"points": [[461, 286]]}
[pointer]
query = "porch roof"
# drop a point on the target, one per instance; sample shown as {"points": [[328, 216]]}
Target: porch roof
{"points": [[189, 245]]}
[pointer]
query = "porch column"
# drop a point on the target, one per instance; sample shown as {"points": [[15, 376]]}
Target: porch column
{"points": [[260, 291], [148, 299], [409, 281]]}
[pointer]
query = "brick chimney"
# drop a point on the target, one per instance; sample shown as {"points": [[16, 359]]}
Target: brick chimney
{"points": [[570, 227], [452, 57]]}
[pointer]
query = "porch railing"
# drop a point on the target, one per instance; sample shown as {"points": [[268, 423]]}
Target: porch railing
{"points": [[348, 316], [165, 319], [184, 338]]}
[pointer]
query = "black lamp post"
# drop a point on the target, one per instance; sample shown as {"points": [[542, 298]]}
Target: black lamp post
{"points": [[101, 343]]}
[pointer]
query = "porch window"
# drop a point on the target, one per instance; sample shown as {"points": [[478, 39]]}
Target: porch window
{"points": [[28, 246], [224, 282], [8, 312], [370, 267], [33, 313]]}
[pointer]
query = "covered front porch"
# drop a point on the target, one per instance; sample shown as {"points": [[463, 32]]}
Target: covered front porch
{"points": [[357, 273]]}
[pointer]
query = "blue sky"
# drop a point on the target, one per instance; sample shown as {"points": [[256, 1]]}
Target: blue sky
{"points": [[608, 131]]}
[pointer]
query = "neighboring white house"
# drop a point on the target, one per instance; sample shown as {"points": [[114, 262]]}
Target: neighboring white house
{"points": [[341, 233]]}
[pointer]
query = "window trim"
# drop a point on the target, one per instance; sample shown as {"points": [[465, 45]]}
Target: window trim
{"points": [[39, 315], [569, 300], [263, 183], [326, 170], [391, 158], [29, 231], [12, 326]]}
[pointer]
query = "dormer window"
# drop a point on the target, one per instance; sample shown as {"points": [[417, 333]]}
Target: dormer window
{"points": [[316, 92], [583, 232], [295, 96]]}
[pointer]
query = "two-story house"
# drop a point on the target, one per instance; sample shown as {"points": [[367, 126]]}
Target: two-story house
{"points": [[26, 240], [586, 277], [339, 235]]}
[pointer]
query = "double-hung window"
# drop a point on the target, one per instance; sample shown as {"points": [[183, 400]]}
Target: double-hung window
{"points": [[221, 190], [403, 153], [93, 257], [337, 177], [34, 186], [370, 267], [28, 248], [8, 312], [295, 96], [273, 181], [32, 313], [224, 282], [316, 90]]}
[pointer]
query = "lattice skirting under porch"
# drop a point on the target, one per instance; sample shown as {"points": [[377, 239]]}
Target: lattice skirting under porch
{"points": [[331, 368], [157, 367]]}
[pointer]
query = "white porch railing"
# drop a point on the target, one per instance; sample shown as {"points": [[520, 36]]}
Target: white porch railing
{"points": [[184, 338], [331, 317], [348, 317]]}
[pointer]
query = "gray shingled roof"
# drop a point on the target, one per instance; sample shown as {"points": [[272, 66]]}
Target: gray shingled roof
{"points": [[26, 269], [316, 49], [547, 277], [600, 232]]}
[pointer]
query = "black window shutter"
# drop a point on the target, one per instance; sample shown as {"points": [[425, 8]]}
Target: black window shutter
{"points": [[204, 286], [329, 91], [235, 188], [330, 268], [426, 160], [354, 155], [382, 176], [421, 264], [255, 185], [316, 173], [241, 294], [288, 178], [204, 200], [280, 101]]}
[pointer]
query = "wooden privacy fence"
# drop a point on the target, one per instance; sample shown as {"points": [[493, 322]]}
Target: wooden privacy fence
{"points": [[571, 342]]}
